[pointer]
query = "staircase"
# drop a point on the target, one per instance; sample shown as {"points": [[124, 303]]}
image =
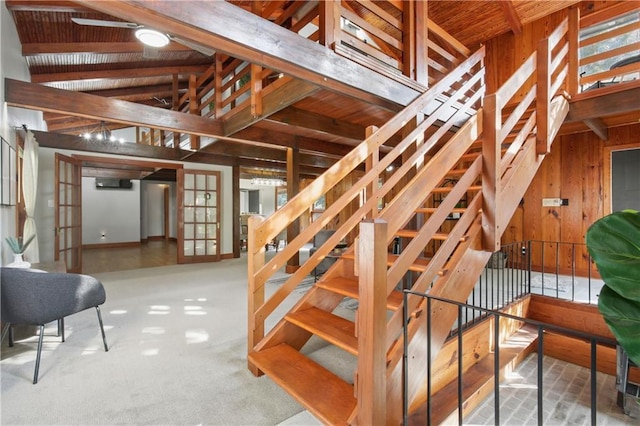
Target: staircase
{"points": [[470, 158]]}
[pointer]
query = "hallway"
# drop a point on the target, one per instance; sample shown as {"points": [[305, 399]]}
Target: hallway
{"points": [[147, 255]]}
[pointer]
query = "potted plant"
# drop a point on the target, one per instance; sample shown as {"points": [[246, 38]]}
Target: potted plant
{"points": [[18, 247], [614, 244]]}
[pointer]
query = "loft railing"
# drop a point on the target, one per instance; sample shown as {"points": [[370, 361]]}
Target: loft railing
{"points": [[608, 48]]}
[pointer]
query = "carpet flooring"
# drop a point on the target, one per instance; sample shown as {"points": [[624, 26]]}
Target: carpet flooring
{"points": [[177, 337]]}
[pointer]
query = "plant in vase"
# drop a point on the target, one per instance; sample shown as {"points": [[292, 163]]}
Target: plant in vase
{"points": [[18, 247]]}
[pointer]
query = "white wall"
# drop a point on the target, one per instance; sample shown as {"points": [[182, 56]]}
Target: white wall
{"points": [[152, 209], [12, 65], [110, 215], [267, 196]]}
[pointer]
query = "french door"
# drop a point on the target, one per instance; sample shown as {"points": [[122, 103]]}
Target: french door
{"points": [[68, 212], [198, 216]]}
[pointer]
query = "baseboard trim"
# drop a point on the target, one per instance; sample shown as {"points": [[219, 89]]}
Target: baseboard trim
{"points": [[111, 245]]}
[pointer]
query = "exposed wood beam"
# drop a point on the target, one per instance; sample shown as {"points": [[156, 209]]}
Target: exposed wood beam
{"points": [[602, 106], [35, 96], [45, 6], [234, 31], [287, 93], [288, 140], [511, 16], [297, 117], [117, 74], [37, 49], [134, 93], [76, 143], [112, 173], [598, 127], [241, 151]]}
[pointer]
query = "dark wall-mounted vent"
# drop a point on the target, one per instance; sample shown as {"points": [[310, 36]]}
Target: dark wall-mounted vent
{"points": [[111, 183]]}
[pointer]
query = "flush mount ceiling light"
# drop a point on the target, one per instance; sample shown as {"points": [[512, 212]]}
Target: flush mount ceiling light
{"points": [[152, 37]]}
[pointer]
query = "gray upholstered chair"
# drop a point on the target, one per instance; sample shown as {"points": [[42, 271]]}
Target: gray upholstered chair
{"points": [[34, 297], [318, 240]]}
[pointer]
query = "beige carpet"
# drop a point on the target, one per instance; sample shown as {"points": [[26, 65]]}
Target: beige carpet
{"points": [[177, 337]]}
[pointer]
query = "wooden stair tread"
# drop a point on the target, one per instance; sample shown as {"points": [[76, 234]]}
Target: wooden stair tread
{"points": [[445, 402], [412, 233], [418, 265], [320, 391], [433, 209], [332, 328], [349, 288], [444, 189]]}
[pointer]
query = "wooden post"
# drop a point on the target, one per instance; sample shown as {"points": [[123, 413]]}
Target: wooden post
{"points": [[370, 163], [574, 50], [218, 86], [175, 99], [372, 323], [543, 97], [492, 123], [329, 23], [255, 261], [194, 109], [409, 36], [256, 90], [422, 34], [293, 187]]}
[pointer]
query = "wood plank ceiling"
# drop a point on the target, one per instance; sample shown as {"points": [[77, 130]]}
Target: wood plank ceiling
{"points": [[322, 117]]}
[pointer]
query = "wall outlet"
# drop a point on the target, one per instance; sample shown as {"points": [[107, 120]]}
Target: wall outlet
{"points": [[551, 202]]}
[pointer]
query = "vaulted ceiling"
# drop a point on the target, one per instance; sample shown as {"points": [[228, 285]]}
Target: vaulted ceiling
{"points": [[320, 113]]}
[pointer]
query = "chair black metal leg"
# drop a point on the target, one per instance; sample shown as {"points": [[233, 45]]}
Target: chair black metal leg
{"points": [[11, 337], [61, 328], [104, 336], [35, 374], [5, 331]]}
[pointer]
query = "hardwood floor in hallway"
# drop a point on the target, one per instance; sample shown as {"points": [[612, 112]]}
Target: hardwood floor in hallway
{"points": [[147, 255]]}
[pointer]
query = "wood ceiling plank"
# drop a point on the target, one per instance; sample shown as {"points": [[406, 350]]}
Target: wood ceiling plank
{"points": [[117, 74], [35, 96], [234, 31], [37, 49]]}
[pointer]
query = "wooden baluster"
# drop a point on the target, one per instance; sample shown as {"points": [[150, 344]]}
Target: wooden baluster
{"points": [[574, 50], [372, 323]]}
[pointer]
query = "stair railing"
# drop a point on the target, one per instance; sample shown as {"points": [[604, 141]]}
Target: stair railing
{"points": [[508, 158], [260, 308], [511, 159]]}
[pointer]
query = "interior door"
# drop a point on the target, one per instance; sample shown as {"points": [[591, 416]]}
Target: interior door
{"points": [[68, 212], [198, 216]]}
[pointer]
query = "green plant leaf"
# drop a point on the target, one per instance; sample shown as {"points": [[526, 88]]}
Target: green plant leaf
{"points": [[614, 245], [623, 318]]}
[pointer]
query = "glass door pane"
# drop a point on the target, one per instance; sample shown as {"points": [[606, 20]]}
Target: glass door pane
{"points": [[199, 229]]}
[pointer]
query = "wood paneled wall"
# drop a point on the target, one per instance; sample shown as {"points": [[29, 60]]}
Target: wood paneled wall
{"points": [[574, 169]]}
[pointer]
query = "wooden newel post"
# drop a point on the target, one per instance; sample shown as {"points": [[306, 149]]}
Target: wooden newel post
{"points": [[372, 323], [255, 261]]}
